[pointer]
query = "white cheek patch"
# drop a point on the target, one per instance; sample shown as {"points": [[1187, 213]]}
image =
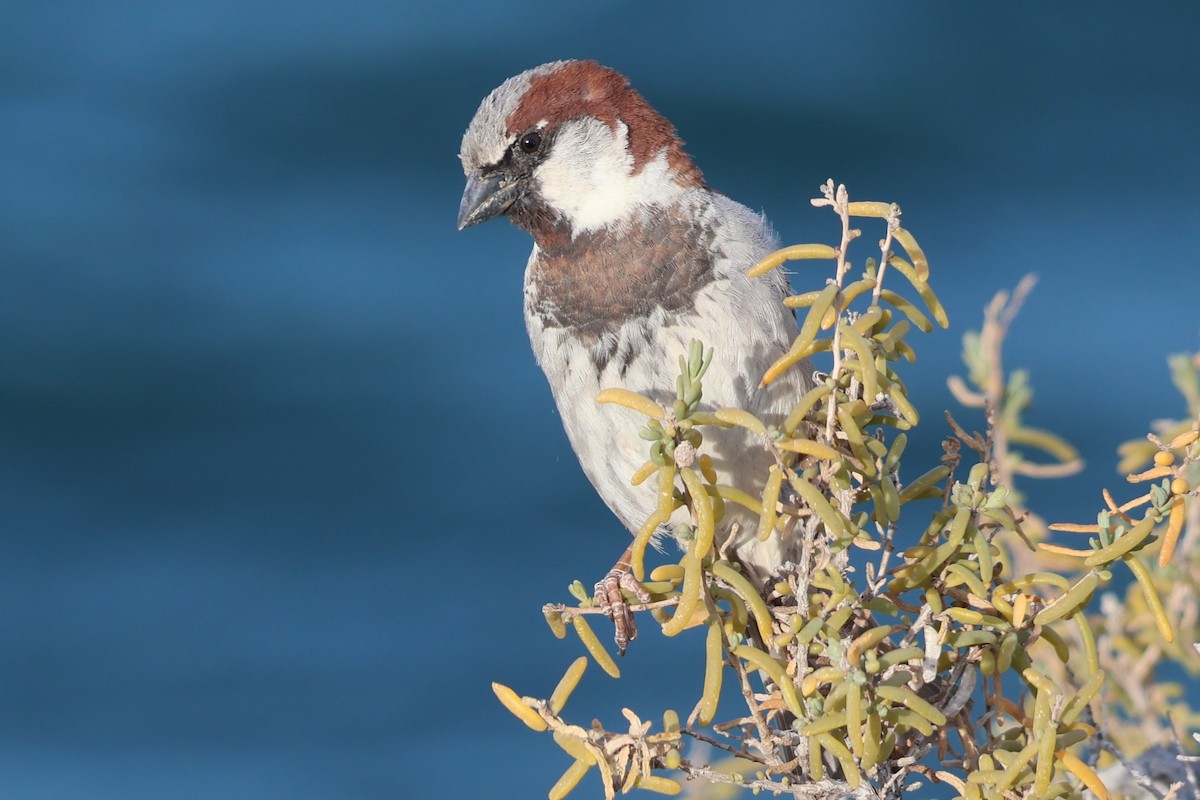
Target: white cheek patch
{"points": [[588, 176]]}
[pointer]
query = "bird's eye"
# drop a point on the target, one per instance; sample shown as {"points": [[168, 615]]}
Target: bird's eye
{"points": [[530, 142]]}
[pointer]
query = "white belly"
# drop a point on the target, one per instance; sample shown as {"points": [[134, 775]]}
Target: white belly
{"points": [[643, 356]]}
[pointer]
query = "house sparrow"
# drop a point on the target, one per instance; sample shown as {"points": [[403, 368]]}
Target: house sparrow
{"points": [[634, 256]]}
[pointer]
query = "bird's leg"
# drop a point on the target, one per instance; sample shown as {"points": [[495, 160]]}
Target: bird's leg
{"points": [[612, 602]]}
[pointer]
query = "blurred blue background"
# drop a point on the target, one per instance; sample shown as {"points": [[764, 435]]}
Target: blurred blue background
{"points": [[283, 489]]}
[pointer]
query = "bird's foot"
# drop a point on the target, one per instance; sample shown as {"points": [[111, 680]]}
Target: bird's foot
{"points": [[612, 601]]}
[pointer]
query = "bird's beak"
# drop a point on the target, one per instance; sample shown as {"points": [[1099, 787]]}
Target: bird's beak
{"points": [[486, 196]]}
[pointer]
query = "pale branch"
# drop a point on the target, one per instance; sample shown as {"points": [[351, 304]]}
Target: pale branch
{"points": [[581, 610], [810, 790]]}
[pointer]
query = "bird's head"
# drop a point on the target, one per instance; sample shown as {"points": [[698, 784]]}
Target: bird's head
{"points": [[569, 147]]}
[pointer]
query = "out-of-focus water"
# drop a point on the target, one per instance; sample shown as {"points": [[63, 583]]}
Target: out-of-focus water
{"points": [[282, 488]]}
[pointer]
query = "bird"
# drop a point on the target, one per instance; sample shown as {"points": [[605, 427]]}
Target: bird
{"points": [[634, 257]]}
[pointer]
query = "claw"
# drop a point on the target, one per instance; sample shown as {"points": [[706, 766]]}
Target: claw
{"points": [[612, 602]]}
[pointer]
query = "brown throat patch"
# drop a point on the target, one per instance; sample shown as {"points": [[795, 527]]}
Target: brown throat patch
{"points": [[585, 88], [598, 281]]}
